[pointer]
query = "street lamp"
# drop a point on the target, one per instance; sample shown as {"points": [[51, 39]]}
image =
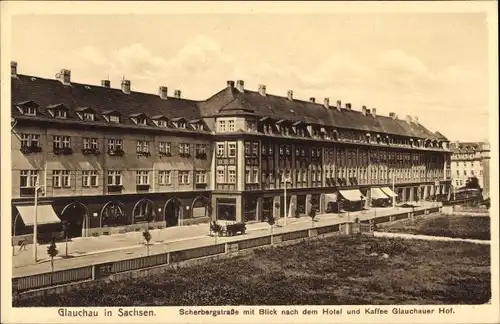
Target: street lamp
{"points": [[285, 180], [35, 223]]}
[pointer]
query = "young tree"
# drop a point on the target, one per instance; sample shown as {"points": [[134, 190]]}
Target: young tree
{"points": [[52, 252], [65, 228], [147, 237]]}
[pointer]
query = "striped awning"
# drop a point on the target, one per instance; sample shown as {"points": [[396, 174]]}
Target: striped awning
{"points": [[45, 214], [389, 192], [352, 194], [377, 193]]}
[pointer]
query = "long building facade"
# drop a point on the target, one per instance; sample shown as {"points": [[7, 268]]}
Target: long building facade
{"points": [[110, 160]]}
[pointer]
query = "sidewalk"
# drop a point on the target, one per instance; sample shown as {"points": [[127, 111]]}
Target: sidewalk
{"points": [[91, 250]]}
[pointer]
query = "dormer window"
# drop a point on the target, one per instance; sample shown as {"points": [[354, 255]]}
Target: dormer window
{"points": [[180, 122], [89, 116], [161, 123], [139, 119], [111, 116], [114, 119], [29, 111], [61, 113], [197, 124], [58, 111], [28, 108]]}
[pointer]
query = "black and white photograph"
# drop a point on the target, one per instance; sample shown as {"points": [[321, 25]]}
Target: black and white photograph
{"points": [[249, 162]]}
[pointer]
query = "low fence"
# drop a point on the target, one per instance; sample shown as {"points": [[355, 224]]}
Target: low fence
{"points": [[76, 276]]}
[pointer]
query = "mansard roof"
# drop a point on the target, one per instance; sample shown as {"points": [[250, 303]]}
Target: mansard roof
{"points": [[231, 101], [48, 92]]}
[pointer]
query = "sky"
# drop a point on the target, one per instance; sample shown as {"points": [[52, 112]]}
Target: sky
{"points": [[430, 65]]}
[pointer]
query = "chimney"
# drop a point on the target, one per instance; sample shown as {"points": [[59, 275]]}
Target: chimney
{"points": [[64, 76], [408, 119], [13, 69], [326, 102], [126, 86], [348, 105], [290, 95], [230, 84], [240, 85], [415, 119], [363, 110], [367, 111], [262, 89], [392, 115], [312, 99], [106, 83], [177, 94], [374, 112], [339, 105], [162, 92]]}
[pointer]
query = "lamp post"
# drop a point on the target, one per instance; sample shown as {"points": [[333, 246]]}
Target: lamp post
{"points": [[285, 180], [35, 222], [393, 193]]}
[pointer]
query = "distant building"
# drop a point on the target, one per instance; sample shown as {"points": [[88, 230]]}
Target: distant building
{"points": [[111, 158], [471, 159]]}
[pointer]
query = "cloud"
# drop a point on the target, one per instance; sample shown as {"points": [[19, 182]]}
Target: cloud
{"points": [[392, 80]]}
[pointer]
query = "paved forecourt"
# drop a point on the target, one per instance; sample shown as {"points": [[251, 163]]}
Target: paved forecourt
{"points": [[94, 250]]}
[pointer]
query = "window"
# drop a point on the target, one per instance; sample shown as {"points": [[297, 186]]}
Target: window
{"points": [[472, 172], [201, 177], [61, 179], [220, 149], [230, 125], [465, 172], [255, 149], [222, 125], [256, 175], [25, 140], [142, 177], [89, 178], [142, 147], [89, 116], [161, 123], [114, 178], [164, 177], [198, 126], [29, 178], [248, 175], [165, 148], [184, 148], [221, 176], [248, 148], [232, 176], [66, 141], [232, 149], [183, 177], [32, 140], [90, 143], [141, 121], [181, 124], [115, 144], [30, 111], [458, 172], [60, 113], [114, 119], [201, 149], [56, 142]]}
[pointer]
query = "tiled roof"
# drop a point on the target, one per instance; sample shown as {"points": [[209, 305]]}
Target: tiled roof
{"points": [[231, 101], [48, 92]]}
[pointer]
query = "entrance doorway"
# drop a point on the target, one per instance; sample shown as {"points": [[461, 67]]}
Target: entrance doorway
{"points": [[77, 217], [173, 212]]}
